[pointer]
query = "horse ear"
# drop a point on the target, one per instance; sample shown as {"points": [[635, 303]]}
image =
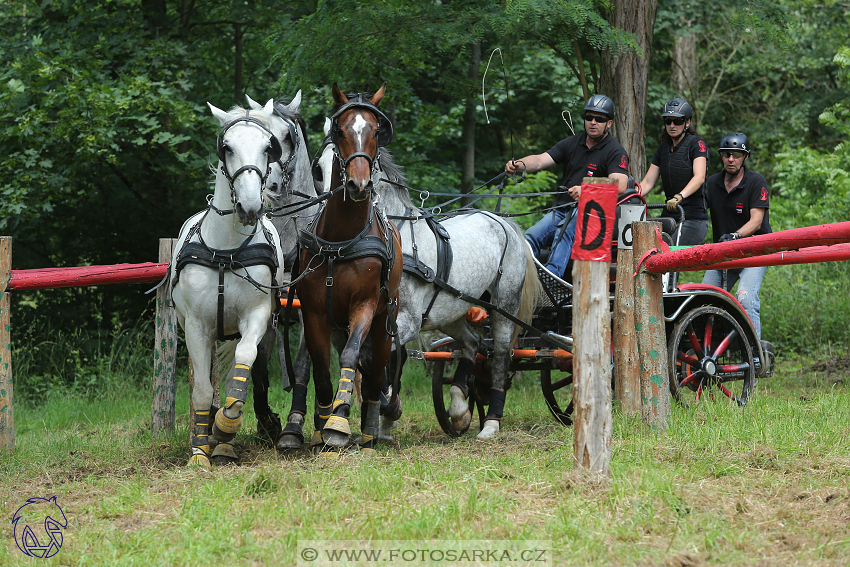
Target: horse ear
{"points": [[376, 98], [222, 116], [338, 95], [253, 103], [327, 126], [269, 107], [296, 103]]}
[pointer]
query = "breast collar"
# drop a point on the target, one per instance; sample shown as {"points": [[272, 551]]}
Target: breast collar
{"points": [[245, 255]]}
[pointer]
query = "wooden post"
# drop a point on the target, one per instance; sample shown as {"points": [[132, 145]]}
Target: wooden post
{"points": [[7, 414], [165, 349], [651, 334], [591, 255], [626, 372]]}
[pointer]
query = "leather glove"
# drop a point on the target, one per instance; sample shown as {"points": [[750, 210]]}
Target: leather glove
{"points": [[727, 237], [674, 202]]}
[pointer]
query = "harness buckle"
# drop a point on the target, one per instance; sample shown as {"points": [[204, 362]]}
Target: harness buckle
{"points": [[329, 281]]}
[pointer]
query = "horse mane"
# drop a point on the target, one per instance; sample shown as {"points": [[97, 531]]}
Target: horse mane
{"points": [[395, 174], [296, 118]]}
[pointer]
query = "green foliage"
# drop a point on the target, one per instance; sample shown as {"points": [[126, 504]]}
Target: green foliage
{"points": [[89, 364]]}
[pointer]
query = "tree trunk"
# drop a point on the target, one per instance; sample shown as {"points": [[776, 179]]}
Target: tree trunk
{"points": [[467, 180], [624, 77], [685, 66]]}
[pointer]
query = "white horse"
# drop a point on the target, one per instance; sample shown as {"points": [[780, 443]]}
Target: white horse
{"points": [[227, 258], [490, 259]]}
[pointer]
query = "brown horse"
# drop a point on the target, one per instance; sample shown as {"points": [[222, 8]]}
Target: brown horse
{"points": [[351, 264]]}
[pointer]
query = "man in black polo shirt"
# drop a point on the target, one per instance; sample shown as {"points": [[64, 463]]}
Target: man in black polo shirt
{"points": [[738, 201], [594, 153]]}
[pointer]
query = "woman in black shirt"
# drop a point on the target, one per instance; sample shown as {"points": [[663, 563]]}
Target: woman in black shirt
{"points": [[681, 161]]}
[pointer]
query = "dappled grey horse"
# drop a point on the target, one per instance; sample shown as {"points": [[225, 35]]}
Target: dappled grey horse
{"points": [[291, 190], [476, 253]]}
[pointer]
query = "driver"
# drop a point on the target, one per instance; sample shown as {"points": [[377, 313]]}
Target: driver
{"points": [[593, 153]]}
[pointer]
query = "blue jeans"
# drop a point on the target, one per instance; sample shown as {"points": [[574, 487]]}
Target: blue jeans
{"points": [[543, 233], [749, 283]]}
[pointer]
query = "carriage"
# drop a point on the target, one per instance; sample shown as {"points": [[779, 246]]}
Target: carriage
{"points": [[712, 344]]}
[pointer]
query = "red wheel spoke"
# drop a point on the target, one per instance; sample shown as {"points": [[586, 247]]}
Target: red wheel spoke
{"points": [[724, 344], [688, 380], [732, 368], [726, 391], [687, 359], [692, 336], [562, 382], [709, 327]]}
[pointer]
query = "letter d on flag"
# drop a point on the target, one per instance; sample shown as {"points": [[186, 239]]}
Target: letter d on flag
{"points": [[596, 216]]}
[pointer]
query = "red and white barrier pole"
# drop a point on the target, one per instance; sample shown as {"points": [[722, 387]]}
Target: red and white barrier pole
{"points": [[708, 256]]}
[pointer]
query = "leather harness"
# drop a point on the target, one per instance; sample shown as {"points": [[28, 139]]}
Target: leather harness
{"points": [[246, 255], [364, 245]]}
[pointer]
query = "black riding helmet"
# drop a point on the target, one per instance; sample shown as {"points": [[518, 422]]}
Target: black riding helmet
{"points": [[601, 104], [736, 141], [678, 108]]}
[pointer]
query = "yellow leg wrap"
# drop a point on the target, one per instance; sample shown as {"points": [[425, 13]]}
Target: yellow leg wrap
{"points": [[200, 461], [228, 424], [339, 424]]}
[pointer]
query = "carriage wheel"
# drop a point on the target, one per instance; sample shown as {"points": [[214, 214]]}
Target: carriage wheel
{"points": [[558, 394], [709, 354], [441, 383]]}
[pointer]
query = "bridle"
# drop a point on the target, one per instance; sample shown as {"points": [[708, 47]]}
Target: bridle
{"points": [[287, 166], [275, 151], [384, 134]]}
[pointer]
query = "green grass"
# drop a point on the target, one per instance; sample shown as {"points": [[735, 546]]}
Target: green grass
{"points": [[764, 484]]}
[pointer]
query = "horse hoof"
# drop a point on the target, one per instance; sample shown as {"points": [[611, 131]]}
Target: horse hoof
{"points": [[385, 433], [201, 461], [490, 430], [269, 429], [288, 442], [224, 454], [459, 409], [335, 438]]}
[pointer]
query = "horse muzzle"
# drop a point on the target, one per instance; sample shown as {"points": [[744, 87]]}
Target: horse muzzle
{"points": [[248, 217], [358, 192]]}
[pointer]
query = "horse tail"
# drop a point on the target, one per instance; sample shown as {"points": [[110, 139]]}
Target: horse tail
{"points": [[532, 289], [225, 354]]}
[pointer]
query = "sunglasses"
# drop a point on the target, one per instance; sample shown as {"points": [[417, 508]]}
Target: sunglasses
{"points": [[597, 119], [727, 155], [676, 121]]}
